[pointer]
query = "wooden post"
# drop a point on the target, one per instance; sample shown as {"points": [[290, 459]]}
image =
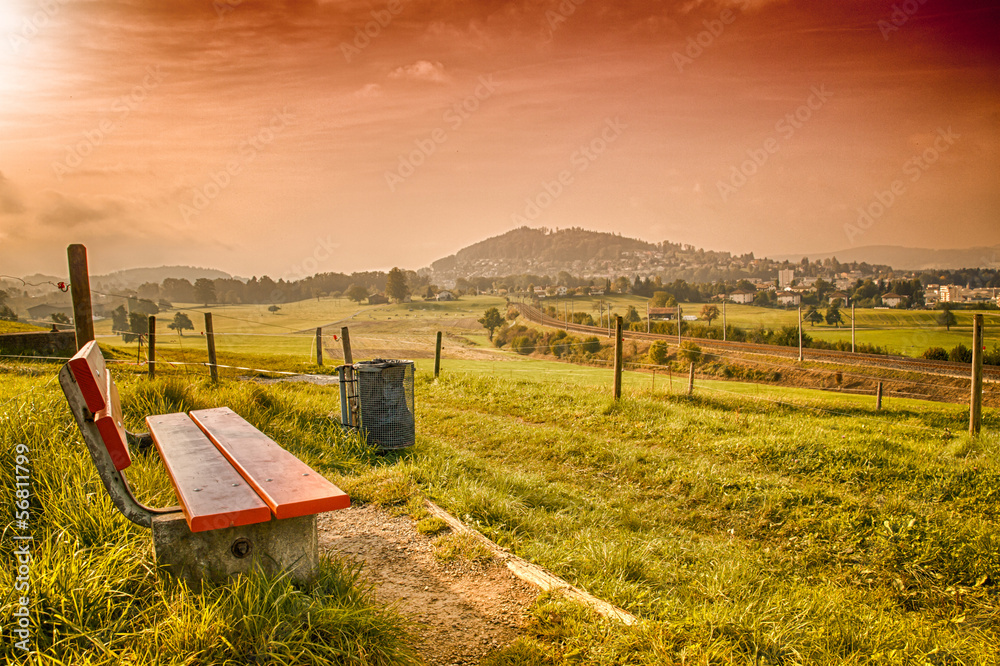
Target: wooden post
{"points": [[647, 318], [213, 366], [437, 356], [79, 284], [691, 379], [618, 358], [678, 327], [151, 356], [878, 397], [724, 318], [345, 339], [670, 379], [852, 328], [976, 400], [800, 334], [319, 346]]}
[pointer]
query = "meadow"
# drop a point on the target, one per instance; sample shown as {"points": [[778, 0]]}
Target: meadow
{"points": [[743, 524]]}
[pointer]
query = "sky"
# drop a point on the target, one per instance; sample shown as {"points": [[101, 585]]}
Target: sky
{"points": [[301, 137]]}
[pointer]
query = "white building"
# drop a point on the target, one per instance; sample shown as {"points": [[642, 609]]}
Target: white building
{"points": [[785, 277]]}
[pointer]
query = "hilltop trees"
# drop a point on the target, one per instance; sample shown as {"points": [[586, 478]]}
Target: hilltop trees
{"points": [[204, 291]]}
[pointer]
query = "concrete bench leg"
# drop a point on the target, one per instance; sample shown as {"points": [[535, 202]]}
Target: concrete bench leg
{"points": [[288, 545]]}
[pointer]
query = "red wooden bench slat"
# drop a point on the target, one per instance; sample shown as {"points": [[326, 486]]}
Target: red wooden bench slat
{"points": [[90, 373], [109, 424], [212, 493], [289, 486]]}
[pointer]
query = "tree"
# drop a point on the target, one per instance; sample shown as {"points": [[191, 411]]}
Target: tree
{"points": [[492, 320], [812, 315], [395, 286], [6, 314], [204, 291], [833, 316], [357, 292], [273, 309], [592, 344], [119, 320], [658, 352], [622, 285], [138, 326], [632, 315], [689, 351], [709, 312], [180, 323], [947, 317]]}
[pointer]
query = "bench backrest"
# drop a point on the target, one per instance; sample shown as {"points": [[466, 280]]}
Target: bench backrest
{"points": [[100, 394]]}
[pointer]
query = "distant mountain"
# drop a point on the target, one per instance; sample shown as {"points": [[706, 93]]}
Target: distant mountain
{"points": [[133, 277], [909, 258]]}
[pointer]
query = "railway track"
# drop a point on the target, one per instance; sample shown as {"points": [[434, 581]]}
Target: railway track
{"points": [[942, 368]]}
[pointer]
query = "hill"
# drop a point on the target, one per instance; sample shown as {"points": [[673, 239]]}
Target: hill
{"points": [[910, 258], [133, 277]]}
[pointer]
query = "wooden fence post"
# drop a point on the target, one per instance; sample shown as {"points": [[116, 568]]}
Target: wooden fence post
{"points": [[319, 346], [878, 397], [437, 356], [800, 334], [691, 379], [213, 366], [345, 338], [79, 284], [151, 356], [976, 399], [618, 358]]}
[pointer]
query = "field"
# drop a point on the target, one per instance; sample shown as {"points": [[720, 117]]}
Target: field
{"points": [[743, 525], [906, 332]]}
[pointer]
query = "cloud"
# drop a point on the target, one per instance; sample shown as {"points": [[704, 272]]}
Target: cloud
{"points": [[369, 90], [421, 70], [10, 200], [66, 212]]}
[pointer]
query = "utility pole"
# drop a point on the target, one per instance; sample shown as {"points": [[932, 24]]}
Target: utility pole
{"points": [[976, 400]]}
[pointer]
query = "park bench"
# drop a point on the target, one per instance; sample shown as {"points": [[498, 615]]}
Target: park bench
{"points": [[245, 501]]}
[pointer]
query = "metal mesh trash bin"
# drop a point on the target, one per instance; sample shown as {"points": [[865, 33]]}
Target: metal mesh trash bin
{"points": [[385, 402]]}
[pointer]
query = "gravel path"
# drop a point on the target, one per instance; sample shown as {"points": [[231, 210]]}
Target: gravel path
{"points": [[462, 610]]}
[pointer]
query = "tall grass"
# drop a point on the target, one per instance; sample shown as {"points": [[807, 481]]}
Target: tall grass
{"points": [[96, 596], [739, 531]]}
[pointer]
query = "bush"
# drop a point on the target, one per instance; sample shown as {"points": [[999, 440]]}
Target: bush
{"points": [[935, 354], [690, 352], [591, 345], [960, 354], [522, 344], [658, 352]]}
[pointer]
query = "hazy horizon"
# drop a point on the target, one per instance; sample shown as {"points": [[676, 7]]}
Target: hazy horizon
{"points": [[271, 139]]}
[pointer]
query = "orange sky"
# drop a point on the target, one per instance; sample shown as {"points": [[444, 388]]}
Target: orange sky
{"points": [[282, 139]]}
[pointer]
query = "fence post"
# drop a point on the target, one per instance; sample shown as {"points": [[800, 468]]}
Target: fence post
{"points": [[678, 328], [151, 356], [79, 284], [345, 338], [691, 379], [878, 397], [724, 298], [976, 399], [800, 334], [852, 328], [319, 346], [618, 358], [437, 356], [213, 366]]}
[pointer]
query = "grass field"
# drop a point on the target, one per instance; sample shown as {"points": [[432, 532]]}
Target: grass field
{"points": [[740, 530], [907, 332], [744, 525], [18, 327]]}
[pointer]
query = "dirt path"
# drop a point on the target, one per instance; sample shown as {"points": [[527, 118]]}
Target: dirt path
{"points": [[462, 610]]}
